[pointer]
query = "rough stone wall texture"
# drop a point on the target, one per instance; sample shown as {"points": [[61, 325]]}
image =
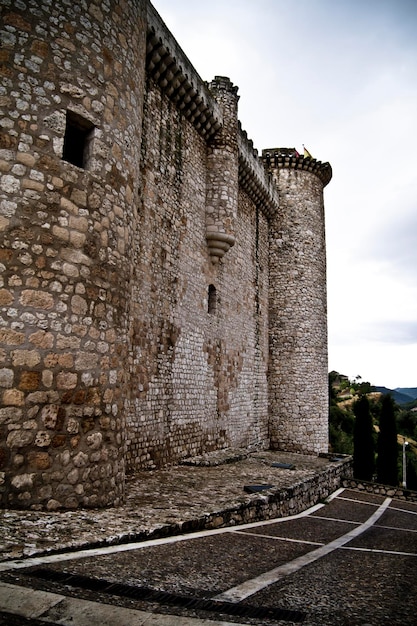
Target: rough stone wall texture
{"points": [[298, 310], [198, 377], [66, 234], [140, 274], [223, 173], [399, 493]]}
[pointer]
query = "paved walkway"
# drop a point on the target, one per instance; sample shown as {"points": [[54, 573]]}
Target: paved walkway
{"points": [[163, 502], [349, 561]]}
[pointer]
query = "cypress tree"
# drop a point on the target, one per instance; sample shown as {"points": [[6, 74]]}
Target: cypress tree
{"points": [[387, 448], [363, 441]]}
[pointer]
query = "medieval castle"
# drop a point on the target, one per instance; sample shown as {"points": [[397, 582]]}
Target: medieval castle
{"points": [[163, 286]]}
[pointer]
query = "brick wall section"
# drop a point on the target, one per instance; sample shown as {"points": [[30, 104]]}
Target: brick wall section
{"points": [[138, 280]]}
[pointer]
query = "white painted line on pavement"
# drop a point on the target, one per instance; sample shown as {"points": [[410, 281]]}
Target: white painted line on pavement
{"points": [[310, 543], [379, 551], [336, 519], [359, 501], [394, 508], [249, 587], [406, 530], [335, 494]]}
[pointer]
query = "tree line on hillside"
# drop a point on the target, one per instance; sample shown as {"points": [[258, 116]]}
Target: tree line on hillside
{"points": [[366, 425]]}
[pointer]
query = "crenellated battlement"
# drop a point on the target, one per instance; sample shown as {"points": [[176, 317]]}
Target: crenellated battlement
{"points": [[252, 176], [289, 158], [174, 74]]}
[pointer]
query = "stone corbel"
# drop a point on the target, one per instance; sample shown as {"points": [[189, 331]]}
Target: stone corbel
{"points": [[218, 244]]}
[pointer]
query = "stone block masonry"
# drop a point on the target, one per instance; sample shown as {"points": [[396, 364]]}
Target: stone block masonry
{"points": [[150, 307], [65, 231], [298, 304]]}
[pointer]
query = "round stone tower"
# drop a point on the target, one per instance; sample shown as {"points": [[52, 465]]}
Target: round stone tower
{"points": [[222, 173], [72, 87], [298, 371]]}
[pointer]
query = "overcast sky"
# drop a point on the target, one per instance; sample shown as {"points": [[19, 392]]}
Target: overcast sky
{"points": [[339, 76]]}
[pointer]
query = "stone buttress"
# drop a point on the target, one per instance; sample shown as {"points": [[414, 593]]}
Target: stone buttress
{"points": [[298, 373]]}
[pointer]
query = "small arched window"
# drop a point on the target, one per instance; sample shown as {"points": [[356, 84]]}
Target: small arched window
{"points": [[212, 300]]}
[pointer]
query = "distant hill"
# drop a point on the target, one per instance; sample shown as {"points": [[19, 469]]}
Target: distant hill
{"points": [[408, 391], [401, 395]]}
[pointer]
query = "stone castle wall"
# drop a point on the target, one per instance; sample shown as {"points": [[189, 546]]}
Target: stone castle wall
{"points": [[139, 267], [198, 377]]}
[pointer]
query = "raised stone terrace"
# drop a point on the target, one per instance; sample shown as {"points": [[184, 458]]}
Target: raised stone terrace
{"points": [[208, 492]]}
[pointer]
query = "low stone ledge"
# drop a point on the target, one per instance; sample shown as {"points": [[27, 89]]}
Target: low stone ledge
{"points": [[188, 499], [399, 493], [282, 502]]}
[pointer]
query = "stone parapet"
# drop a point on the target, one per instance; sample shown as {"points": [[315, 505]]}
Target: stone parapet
{"points": [[399, 493], [290, 501], [253, 179], [290, 159], [174, 74]]}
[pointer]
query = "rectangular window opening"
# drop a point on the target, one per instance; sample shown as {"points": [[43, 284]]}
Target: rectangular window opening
{"points": [[78, 137]]}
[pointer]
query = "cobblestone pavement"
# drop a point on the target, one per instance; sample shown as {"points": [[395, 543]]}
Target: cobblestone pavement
{"points": [[348, 562], [320, 569], [167, 501]]}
